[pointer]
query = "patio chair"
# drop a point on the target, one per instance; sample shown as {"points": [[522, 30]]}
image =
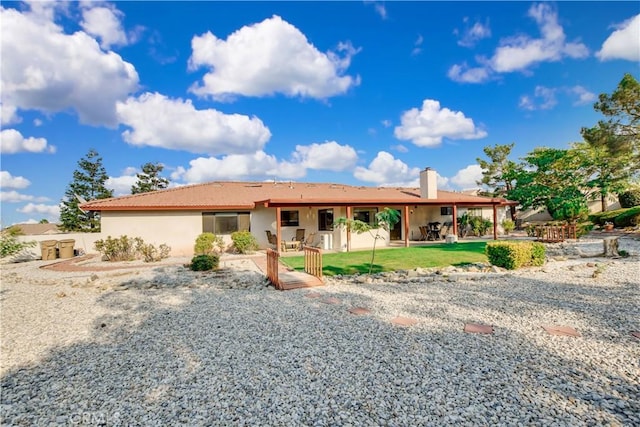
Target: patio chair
{"points": [[434, 231], [310, 241], [424, 234], [271, 238]]}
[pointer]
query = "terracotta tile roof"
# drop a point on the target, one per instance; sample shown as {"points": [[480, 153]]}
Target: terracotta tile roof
{"points": [[246, 195]]}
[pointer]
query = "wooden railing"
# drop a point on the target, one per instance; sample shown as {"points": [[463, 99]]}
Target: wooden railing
{"points": [[555, 233], [273, 261], [313, 261]]}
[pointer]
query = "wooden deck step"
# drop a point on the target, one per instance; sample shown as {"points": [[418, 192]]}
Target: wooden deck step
{"points": [[297, 279]]}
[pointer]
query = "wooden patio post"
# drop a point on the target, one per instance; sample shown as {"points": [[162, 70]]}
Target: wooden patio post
{"points": [[278, 230], [455, 220], [348, 230], [406, 226], [495, 222]]}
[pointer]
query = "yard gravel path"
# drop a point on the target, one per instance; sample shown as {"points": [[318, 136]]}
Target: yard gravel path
{"points": [[166, 346]]}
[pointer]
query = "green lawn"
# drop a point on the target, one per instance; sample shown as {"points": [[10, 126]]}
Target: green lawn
{"points": [[436, 255]]}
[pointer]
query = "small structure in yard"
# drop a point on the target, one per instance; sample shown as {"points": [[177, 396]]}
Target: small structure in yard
{"points": [[555, 233]]}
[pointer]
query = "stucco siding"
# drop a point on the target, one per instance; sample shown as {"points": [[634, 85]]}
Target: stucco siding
{"points": [[177, 229]]}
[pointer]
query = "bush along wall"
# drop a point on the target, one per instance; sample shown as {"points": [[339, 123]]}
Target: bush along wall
{"points": [[629, 217], [512, 255]]}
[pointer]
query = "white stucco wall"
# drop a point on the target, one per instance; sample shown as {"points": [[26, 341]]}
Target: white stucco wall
{"points": [[82, 241], [177, 229]]}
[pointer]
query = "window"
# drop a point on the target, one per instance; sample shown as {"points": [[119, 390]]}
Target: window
{"points": [[367, 215], [475, 212], [446, 210], [225, 222], [289, 219], [325, 219]]}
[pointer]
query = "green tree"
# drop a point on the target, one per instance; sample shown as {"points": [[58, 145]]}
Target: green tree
{"points": [[497, 170], [150, 179], [551, 178], [88, 184], [385, 220], [605, 173], [622, 111]]}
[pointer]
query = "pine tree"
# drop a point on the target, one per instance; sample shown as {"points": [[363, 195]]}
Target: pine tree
{"points": [[497, 170], [150, 179], [88, 184]]}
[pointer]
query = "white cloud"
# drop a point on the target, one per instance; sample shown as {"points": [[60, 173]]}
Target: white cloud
{"points": [[623, 43], [44, 69], [400, 148], [417, 45], [258, 166], [121, 185], [266, 58], [583, 95], [386, 123], [9, 181], [15, 197], [175, 124], [326, 156], [51, 211], [104, 23], [428, 126], [386, 170], [474, 33], [12, 141], [379, 7], [467, 177], [462, 73], [518, 53], [545, 97]]}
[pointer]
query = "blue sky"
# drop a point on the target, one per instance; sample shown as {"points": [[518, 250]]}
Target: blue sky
{"points": [[364, 93]]}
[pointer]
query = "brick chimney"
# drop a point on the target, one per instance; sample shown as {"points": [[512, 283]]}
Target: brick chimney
{"points": [[428, 184]]}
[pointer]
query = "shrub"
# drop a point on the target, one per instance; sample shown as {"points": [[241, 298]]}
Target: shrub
{"points": [[207, 244], [630, 198], [244, 242], [121, 248], [512, 255], [628, 218], [479, 225], [205, 262], [620, 217], [126, 248], [152, 254], [508, 225], [10, 245]]}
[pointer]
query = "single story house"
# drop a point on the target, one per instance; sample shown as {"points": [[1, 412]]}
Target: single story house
{"points": [[178, 215]]}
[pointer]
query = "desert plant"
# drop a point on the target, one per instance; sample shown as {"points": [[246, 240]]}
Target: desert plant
{"points": [[205, 262], [10, 245], [508, 226], [207, 244], [152, 254], [464, 221], [121, 248], [479, 225], [244, 242], [126, 248]]}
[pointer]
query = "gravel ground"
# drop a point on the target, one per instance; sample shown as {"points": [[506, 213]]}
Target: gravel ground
{"points": [[166, 346]]}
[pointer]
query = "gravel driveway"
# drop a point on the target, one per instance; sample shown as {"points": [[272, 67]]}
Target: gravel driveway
{"points": [[167, 346]]}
